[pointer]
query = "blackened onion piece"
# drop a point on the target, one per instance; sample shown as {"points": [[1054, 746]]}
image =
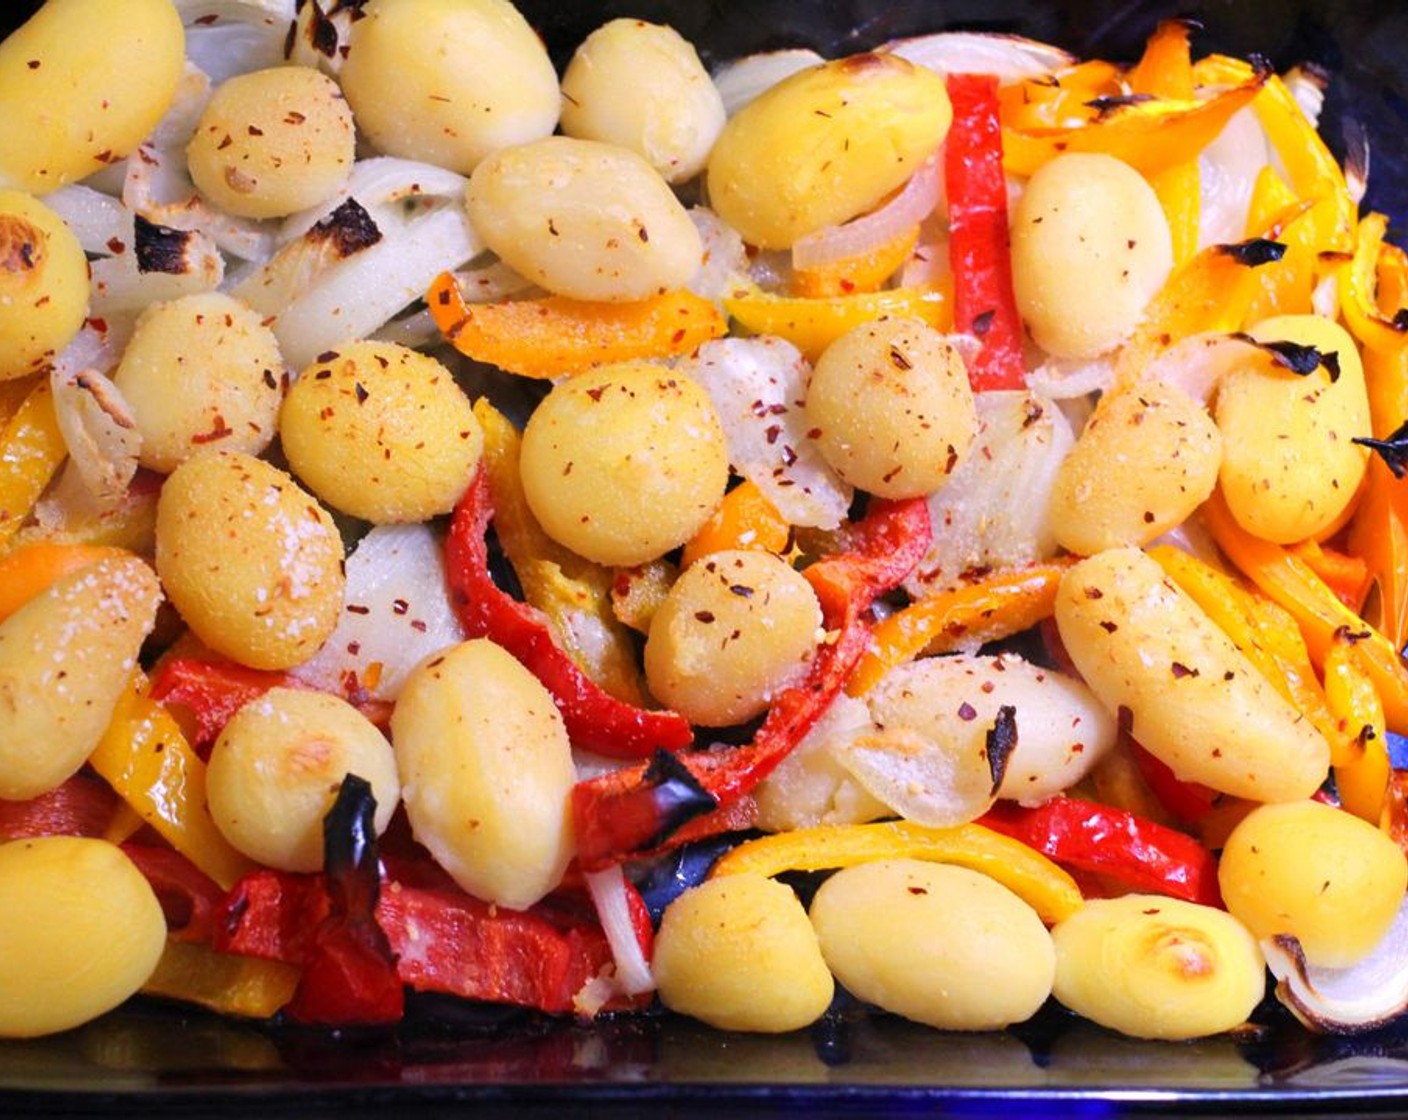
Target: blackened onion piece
{"points": [[161, 248], [1393, 450], [1000, 742], [347, 230]]}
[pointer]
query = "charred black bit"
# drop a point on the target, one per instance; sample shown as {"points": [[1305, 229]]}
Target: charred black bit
{"points": [[982, 322], [1107, 105], [349, 842], [676, 796], [1393, 450], [1001, 741], [1255, 251], [348, 229], [1356, 153], [160, 248], [1296, 357]]}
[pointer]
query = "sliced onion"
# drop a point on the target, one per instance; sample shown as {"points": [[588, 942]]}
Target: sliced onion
{"points": [[1307, 86], [1198, 364], [1368, 994], [608, 890], [1063, 379], [758, 386], [357, 296], [725, 255], [382, 185], [994, 508], [871, 231], [319, 38], [741, 80], [121, 288], [229, 37], [347, 230], [397, 612], [99, 430], [1227, 171], [101, 223], [1010, 57]]}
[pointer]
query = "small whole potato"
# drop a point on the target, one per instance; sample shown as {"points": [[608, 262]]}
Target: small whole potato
{"points": [[1320, 874], [1291, 469], [936, 943], [83, 83], [1145, 460], [641, 85], [739, 953], [539, 207], [249, 558], [623, 463], [80, 932], [272, 142], [486, 772], [276, 768], [1155, 967], [43, 285], [448, 81], [736, 628], [824, 145], [201, 371], [381, 432], [1193, 698], [1090, 247], [890, 408], [66, 656]]}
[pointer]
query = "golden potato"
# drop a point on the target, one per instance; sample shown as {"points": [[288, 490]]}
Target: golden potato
{"points": [[43, 285]]}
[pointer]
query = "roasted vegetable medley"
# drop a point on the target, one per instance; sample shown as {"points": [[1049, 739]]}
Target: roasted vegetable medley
{"points": [[957, 485]]}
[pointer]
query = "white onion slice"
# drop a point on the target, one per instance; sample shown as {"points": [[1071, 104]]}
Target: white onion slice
{"points": [[1010, 57], [994, 509], [608, 890], [100, 222], [758, 386], [911, 206], [1064, 379], [1197, 364], [1365, 995], [725, 255], [99, 430], [1227, 171], [319, 38], [357, 296], [382, 185], [396, 612], [224, 49], [741, 80], [121, 288]]}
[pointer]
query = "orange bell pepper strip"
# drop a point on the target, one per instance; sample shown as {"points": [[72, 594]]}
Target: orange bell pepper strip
{"points": [[29, 568], [1001, 604], [1049, 889], [851, 275], [744, 519], [1344, 574], [1166, 70], [1150, 135], [1289, 581], [572, 592], [1264, 632], [145, 757], [1362, 780], [1359, 297], [555, 336], [12, 395], [31, 451], [812, 325], [1054, 101]]}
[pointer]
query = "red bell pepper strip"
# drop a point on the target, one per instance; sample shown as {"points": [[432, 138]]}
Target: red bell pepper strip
{"points": [[81, 806], [596, 720], [979, 243], [633, 811], [1087, 836], [212, 692], [189, 897]]}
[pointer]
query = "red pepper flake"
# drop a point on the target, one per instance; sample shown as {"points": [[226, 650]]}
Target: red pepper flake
{"points": [[219, 430]]}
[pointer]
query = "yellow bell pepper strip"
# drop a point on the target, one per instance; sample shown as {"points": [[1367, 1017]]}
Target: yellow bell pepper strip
{"points": [[1363, 780], [31, 451], [984, 304], [144, 756], [28, 569], [1290, 582], [1285, 286], [1264, 631], [1271, 197], [812, 325], [1358, 289], [1141, 854], [555, 336], [573, 593], [1151, 135], [246, 987], [1055, 101], [1166, 70], [851, 275], [636, 593], [595, 719], [1050, 891], [1378, 535], [1000, 604], [744, 519], [13, 394]]}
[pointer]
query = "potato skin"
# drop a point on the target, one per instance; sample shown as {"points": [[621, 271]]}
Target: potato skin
{"points": [[824, 145], [1090, 246], [739, 953], [936, 943], [1193, 699], [1316, 872]]}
